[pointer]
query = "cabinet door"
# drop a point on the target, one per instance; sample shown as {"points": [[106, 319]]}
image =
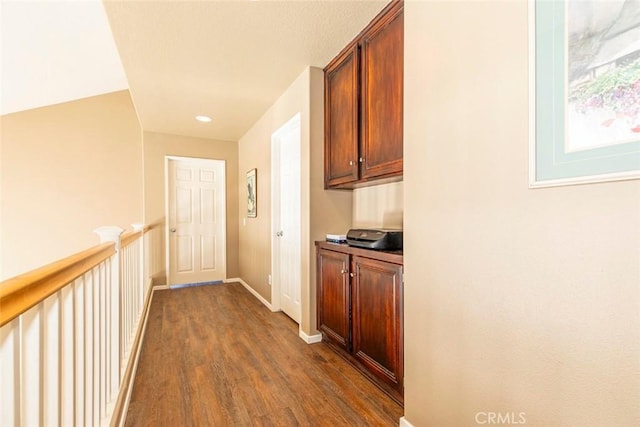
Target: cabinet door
{"points": [[382, 92], [377, 319], [334, 299], [341, 119]]}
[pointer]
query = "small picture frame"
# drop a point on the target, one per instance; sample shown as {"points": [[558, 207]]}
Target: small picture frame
{"points": [[252, 193]]}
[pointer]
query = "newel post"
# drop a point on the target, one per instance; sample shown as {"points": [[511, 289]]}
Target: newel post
{"points": [[112, 234], [109, 233]]}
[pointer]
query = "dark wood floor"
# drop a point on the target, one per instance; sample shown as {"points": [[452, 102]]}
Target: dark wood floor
{"points": [[215, 356]]}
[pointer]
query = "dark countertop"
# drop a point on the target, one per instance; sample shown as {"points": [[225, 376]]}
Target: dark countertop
{"points": [[388, 256]]}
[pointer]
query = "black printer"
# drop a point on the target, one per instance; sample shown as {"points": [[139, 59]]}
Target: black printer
{"points": [[380, 239]]}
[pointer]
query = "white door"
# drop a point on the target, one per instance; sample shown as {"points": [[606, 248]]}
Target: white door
{"points": [[196, 220], [286, 212]]}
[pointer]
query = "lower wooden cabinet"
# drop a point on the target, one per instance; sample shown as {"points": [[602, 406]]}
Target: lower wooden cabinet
{"points": [[334, 317], [360, 311]]}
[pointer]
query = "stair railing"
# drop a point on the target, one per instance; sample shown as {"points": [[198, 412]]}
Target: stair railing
{"points": [[70, 332]]}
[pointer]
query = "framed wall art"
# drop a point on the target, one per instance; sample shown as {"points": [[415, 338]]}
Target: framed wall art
{"points": [[252, 193], [584, 91]]}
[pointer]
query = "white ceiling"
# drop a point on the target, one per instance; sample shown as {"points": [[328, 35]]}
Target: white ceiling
{"points": [[226, 59], [54, 52]]}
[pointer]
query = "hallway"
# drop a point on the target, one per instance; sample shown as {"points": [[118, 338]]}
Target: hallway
{"points": [[214, 355]]}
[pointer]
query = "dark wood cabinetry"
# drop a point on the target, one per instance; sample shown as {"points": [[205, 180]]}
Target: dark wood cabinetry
{"points": [[341, 119], [377, 318], [363, 105], [360, 311], [333, 290]]}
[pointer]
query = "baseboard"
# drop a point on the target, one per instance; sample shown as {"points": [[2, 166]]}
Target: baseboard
{"points": [[126, 388], [309, 339], [250, 289], [404, 423]]}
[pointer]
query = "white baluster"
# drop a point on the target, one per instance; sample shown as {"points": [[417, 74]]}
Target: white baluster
{"points": [[141, 279], [111, 388], [88, 348], [67, 349], [31, 368], [51, 358], [10, 373], [95, 315], [132, 294], [112, 234], [79, 321], [103, 338], [125, 306], [146, 261]]}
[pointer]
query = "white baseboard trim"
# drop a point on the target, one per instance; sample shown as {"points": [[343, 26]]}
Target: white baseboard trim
{"points": [[253, 291], [309, 339], [404, 423]]}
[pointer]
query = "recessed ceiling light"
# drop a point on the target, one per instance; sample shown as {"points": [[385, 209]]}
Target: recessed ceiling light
{"points": [[203, 119]]}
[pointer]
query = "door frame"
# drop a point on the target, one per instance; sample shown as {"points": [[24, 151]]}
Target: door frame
{"points": [[201, 161], [274, 281]]}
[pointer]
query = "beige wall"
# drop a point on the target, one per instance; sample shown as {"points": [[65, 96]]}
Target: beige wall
{"points": [[66, 170], [379, 206], [516, 300], [156, 147], [322, 211]]}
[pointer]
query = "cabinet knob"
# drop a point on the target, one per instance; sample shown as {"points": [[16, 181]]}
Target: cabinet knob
{"points": [[343, 271], [351, 274], [361, 159], [350, 162], [173, 230]]}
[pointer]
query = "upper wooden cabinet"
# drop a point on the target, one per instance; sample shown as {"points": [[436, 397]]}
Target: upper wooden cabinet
{"points": [[363, 105], [341, 118], [382, 56]]}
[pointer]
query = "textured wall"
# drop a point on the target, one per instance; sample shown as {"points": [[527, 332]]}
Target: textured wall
{"points": [[516, 300], [66, 170]]}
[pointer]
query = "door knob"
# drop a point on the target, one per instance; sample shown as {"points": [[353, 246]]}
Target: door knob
{"points": [[173, 230]]}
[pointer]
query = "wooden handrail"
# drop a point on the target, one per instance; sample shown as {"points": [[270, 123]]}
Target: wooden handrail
{"points": [[129, 237], [20, 293]]}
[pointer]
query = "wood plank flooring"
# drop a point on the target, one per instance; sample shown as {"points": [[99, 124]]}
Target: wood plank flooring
{"points": [[215, 356]]}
